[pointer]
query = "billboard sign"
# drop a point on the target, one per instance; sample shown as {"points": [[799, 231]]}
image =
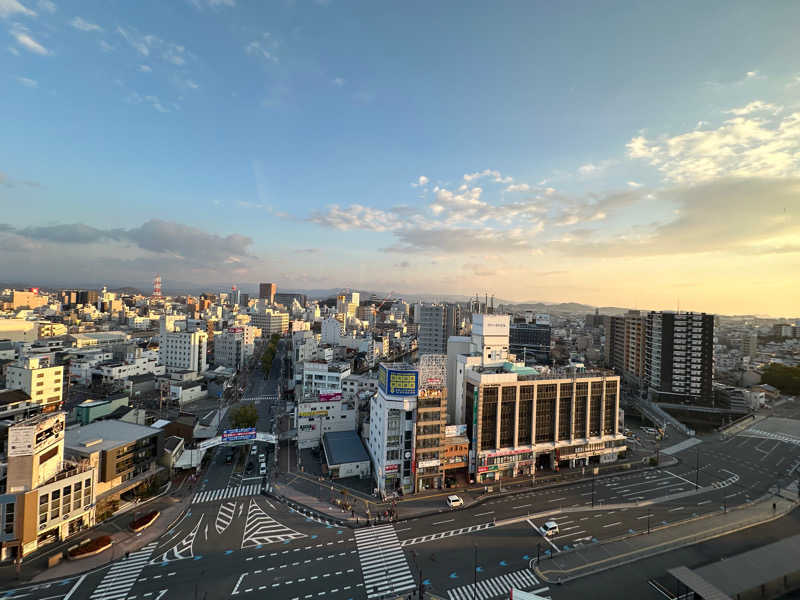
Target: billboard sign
{"points": [[398, 382], [455, 430], [393, 467], [330, 396], [424, 464], [238, 435]]}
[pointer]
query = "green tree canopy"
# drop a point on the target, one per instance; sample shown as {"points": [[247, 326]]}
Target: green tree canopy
{"points": [[244, 416]]}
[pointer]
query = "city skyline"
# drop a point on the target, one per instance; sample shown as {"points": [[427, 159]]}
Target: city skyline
{"points": [[416, 148]]}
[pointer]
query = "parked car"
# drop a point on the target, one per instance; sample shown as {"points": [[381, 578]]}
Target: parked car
{"points": [[454, 501], [253, 450], [549, 529], [262, 470]]}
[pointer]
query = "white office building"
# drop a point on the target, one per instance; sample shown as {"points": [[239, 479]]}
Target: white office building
{"points": [[183, 351], [391, 428], [37, 378]]}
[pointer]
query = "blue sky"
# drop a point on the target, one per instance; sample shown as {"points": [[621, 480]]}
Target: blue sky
{"points": [[540, 151]]}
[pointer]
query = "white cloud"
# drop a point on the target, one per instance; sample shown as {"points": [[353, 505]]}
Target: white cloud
{"points": [[201, 4], [754, 107], [191, 84], [140, 43], [24, 39], [338, 81], [634, 184], [14, 7], [47, 6], [263, 48], [153, 101], [744, 146], [105, 46], [13, 50], [421, 181], [175, 54], [587, 169], [151, 45], [357, 216], [493, 173], [751, 75], [27, 82], [84, 25], [518, 187], [144, 69]]}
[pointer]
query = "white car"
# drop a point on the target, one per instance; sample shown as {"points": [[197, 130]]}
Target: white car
{"points": [[550, 528], [253, 450], [262, 470], [261, 457], [453, 501]]}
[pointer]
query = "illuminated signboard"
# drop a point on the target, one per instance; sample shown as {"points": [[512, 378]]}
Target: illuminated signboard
{"points": [[314, 413], [330, 396], [398, 382], [392, 468], [236, 435]]}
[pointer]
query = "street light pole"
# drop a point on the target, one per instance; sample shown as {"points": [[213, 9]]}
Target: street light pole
{"points": [[593, 478]]}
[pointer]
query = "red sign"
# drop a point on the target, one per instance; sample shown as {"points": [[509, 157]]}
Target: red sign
{"points": [[390, 468], [330, 397], [509, 452]]}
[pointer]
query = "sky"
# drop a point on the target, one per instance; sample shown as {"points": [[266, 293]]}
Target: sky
{"points": [[634, 154]]}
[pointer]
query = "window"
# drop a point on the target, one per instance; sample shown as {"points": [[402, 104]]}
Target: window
{"points": [[8, 525]]}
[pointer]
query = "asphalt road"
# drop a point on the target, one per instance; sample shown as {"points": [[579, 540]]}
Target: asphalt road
{"points": [[235, 543]]}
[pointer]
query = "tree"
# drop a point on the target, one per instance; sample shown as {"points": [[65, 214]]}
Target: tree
{"points": [[786, 379], [244, 416]]}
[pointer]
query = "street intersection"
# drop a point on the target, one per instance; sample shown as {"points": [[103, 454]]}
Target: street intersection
{"points": [[232, 541]]}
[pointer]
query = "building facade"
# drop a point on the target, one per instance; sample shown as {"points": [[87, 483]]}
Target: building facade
{"points": [[267, 291], [679, 357], [391, 428], [38, 378], [520, 421], [530, 341], [183, 351]]}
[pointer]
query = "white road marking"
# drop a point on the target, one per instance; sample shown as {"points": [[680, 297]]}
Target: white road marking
{"points": [[612, 524], [442, 522]]}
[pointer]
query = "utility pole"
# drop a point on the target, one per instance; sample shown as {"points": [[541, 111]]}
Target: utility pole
{"points": [[593, 478], [475, 573], [649, 514], [697, 471]]}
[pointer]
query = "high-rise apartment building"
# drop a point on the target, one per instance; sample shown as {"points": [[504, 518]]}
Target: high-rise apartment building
{"points": [[234, 346], [183, 351], [43, 382], [436, 323], [267, 291], [625, 346], [679, 357]]}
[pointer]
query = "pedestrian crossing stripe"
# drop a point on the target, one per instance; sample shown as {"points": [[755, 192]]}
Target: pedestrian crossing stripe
{"points": [[183, 549], [496, 586], [383, 563], [119, 579], [224, 516], [726, 482], [226, 493], [261, 529], [444, 534]]}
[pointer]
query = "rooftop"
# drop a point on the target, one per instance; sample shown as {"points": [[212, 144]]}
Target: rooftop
{"points": [[343, 447], [105, 435], [12, 396]]}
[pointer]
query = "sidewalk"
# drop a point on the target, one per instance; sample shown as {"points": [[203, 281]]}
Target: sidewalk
{"points": [[34, 567], [594, 558], [315, 492]]}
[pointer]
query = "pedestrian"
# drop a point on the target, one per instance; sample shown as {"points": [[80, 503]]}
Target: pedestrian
{"points": [[127, 555], [774, 507]]}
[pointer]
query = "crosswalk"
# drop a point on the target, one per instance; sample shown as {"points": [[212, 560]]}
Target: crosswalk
{"points": [[681, 446], [183, 549], [444, 534], [224, 516], [497, 586], [383, 564], [261, 529], [119, 579], [781, 437], [227, 493]]}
